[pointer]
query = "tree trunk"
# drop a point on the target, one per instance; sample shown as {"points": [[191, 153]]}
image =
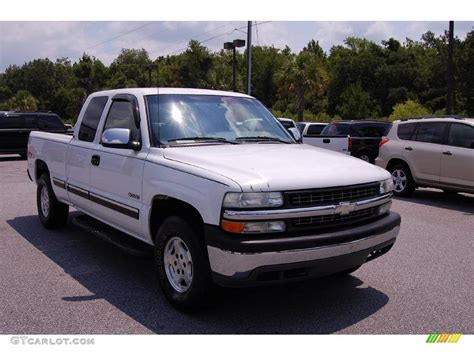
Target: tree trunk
{"points": [[300, 102]]}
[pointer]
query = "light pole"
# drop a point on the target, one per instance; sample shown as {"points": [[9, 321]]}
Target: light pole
{"points": [[450, 99], [233, 45]]}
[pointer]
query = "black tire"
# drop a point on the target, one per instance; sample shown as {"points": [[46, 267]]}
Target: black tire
{"points": [[58, 212], [365, 156], [200, 287], [403, 172]]}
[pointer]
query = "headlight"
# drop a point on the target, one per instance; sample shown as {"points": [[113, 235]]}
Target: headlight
{"points": [[253, 199], [386, 186]]}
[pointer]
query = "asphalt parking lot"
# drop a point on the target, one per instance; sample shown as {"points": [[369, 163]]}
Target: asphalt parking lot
{"points": [[68, 281]]}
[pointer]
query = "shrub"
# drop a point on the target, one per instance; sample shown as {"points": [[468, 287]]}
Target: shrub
{"points": [[408, 109]]}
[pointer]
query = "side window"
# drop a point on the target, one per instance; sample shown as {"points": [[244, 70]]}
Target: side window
{"points": [[91, 118], [121, 116], [11, 122], [406, 131], [314, 129], [31, 122], [52, 122], [461, 135], [431, 132]]}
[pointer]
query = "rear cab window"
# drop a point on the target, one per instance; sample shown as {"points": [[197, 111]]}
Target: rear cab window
{"points": [[91, 118], [314, 129], [336, 129]]}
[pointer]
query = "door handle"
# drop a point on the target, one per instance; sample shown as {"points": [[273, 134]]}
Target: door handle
{"points": [[95, 160], [326, 140], [409, 148], [447, 153]]}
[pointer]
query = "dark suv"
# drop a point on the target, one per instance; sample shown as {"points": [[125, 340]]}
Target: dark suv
{"points": [[15, 128], [364, 136]]}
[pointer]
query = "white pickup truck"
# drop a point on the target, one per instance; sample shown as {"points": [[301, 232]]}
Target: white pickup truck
{"points": [[216, 186], [335, 143]]}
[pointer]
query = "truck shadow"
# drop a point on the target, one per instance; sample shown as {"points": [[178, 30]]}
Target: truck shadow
{"points": [[313, 307], [462, 202], [11, 158]]}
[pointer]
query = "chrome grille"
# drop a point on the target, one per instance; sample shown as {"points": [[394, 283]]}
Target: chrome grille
{"points": [[331, 195], [334, 219]]}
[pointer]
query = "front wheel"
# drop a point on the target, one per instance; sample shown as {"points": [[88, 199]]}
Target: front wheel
{"points": [[52, 213], [402, 180], [182, 264]]}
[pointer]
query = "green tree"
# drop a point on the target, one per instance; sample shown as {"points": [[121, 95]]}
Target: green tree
{"points": [[409, 109], [22, 101], [194, 66], [91, 74], [128, 69], [302, 75]]}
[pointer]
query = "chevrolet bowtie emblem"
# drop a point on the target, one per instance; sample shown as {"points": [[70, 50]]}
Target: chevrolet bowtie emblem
{"points": [[344, 208]]}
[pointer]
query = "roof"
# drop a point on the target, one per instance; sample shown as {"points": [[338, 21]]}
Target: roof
{"points": [[361, 121], [170, 91], [438, 119]]}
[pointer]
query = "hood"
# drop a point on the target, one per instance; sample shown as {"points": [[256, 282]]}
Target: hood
{"points": [[278, 167]]}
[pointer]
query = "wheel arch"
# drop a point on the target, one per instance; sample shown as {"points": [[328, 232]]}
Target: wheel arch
{"points": [[396, 161], [163, 206], [40, 168]]}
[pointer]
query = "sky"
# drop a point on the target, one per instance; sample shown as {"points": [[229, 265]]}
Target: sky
{"points": [[23, 41]]}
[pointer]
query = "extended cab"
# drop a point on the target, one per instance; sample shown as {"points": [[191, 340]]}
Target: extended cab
{"points": [[198, 175]]}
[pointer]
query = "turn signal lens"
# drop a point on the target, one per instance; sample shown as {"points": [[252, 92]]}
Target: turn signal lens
{"points": [[253, 227], [232, 227]]}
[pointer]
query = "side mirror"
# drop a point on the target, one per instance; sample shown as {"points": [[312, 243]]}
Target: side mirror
{"points": [[119, 138], [295, 132]]}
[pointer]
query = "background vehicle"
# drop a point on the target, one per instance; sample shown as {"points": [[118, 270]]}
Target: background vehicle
{"points": [[15, 128], [431, 152], [310, 128], [197, 176], [339, 143], [364, 136], [290, 126]]}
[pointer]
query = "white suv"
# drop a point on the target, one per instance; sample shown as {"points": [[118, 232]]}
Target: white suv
{"points": [[430, 152]]}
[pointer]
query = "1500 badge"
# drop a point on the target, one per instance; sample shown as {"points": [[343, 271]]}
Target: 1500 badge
{"points": [[131, 195]]}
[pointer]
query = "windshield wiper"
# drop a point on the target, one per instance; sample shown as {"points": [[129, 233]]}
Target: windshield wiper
{"points": [[206, 139], [262, 138]]}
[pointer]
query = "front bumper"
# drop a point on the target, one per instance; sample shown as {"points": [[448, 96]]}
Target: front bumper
{"points": [[237, 262]]}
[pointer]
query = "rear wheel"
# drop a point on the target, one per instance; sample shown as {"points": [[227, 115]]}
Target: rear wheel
{"points": [[182, 264], [52, 213], [365, 156], [402, 180]]}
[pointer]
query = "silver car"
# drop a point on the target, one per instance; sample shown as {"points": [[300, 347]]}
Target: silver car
{"points": [[429, 152]]}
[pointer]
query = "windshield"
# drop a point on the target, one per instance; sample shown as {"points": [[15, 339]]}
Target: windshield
{"points": [[181, 119]]}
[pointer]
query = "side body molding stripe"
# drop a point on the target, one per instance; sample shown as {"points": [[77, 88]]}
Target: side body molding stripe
{"points": [[101, 200]]}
